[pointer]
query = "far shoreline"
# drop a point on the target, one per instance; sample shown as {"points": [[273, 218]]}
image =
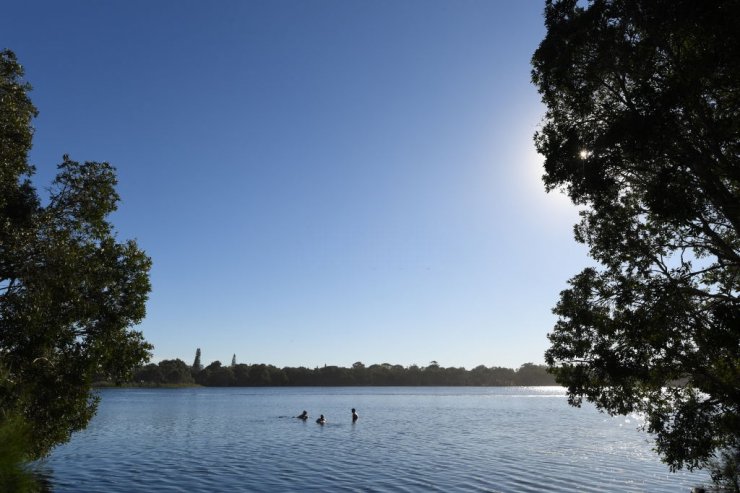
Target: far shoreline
{"points": [[178, 373], [146, 385]]}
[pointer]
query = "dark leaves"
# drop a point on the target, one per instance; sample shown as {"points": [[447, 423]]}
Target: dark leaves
{"points": [[643, 127], [69, 292]]}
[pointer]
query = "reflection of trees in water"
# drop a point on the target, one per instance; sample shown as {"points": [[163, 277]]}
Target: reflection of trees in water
{"points": [[41, 478]]}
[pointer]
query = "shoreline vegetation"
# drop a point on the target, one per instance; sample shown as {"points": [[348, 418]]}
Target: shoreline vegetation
{"points": [[176, 373]]}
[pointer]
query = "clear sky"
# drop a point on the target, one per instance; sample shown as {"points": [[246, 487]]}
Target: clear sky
{"points": [[316, 181]]}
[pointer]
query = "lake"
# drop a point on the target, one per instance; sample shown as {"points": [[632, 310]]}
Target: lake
{"points": [[497, 439]]}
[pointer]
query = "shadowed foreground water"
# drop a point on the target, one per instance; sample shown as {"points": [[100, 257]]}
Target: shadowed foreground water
{"points": [[520, 439]]}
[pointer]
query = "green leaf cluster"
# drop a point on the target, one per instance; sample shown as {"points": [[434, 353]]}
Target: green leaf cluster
{"points": [[13, 476], [70, 292]]}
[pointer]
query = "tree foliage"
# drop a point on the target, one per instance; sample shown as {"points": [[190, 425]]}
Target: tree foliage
{"points": [[197, 366], [13, 439], [69, 291], [259, 375], [643, 131]]}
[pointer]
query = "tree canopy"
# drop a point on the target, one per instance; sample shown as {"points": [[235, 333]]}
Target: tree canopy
{"points": [[175, 372], [642, 130], [70, 293]]}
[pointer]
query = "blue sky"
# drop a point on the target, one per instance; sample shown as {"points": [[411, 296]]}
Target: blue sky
{"points": [[317, 182]]}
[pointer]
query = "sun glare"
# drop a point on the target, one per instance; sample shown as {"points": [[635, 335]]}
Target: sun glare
{"points": [[541, 202]]}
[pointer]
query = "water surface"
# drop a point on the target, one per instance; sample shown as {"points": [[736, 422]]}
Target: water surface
{"points": [[497, 439]]}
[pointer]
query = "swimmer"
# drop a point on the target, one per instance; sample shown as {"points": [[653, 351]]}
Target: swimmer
{"points": [[355, 416], [303, 416], [321, 420]]}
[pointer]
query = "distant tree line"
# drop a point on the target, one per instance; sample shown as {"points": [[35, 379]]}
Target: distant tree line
{"points": [[177, 372]]}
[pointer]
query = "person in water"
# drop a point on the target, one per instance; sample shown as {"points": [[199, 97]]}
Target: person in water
{"points": [[321, 420], [303, 416], [355, 416]]}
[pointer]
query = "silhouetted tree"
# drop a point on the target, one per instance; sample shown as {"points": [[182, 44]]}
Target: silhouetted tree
{"points": [[216, 375], [643, 131], [431, 375], [358, 373], [300, 376], [413, 375], [175, 371], [531, 374], [197, 366], [456, 376], [241, 375], [150, 373], [478, 375]]}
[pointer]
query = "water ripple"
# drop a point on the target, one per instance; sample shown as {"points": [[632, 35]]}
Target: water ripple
{"points": [[407, 440]]}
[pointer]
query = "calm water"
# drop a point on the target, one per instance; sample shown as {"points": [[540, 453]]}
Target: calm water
{"points": [[520, 439]]}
